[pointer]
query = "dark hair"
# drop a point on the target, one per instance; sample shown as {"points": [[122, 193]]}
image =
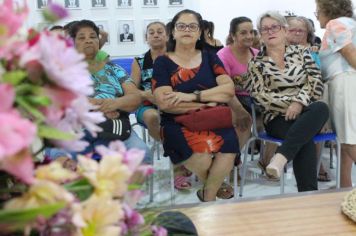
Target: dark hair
{"points": [[209, 26], [335, 9], [73, 29], [67, 26], [168, 28], [56, 27], [172, 42], [234, 24]]}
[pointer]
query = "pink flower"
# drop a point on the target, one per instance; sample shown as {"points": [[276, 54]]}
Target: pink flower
{"points": [[158, 231], [133, 158], [54, 12], [7, 97], [10, 20], [132, 219], [19, 165], [62, 64], [16, 134], [146, 170], [115, 148]]}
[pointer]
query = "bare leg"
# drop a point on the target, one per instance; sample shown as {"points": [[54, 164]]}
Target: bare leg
{"points": [[199, 164], [220, 168], [243, 137], [348, 157], [151, 118]]}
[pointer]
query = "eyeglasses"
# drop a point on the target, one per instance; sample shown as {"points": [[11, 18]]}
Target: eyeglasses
{"points": [[273, 29], [193, 27], [297, 31]]}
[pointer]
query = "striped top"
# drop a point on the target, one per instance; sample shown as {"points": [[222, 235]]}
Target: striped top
{"points": [[274, 89]]}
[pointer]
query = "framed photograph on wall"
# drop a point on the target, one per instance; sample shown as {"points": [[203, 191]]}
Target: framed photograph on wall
{"points": [[175, 3], [150, 3], [72, 4], [103, 25], [42, 4], [126, 31], [124, 3], [98, 3]]}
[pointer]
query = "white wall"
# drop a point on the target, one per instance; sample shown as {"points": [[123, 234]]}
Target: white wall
{"points": [[222, 11], [111, 15]]}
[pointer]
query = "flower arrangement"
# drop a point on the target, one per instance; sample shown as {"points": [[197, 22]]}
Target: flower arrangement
{"points": [[44, 84]]}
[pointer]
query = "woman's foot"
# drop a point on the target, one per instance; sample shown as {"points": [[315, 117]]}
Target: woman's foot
{"points": [[276, 166]]}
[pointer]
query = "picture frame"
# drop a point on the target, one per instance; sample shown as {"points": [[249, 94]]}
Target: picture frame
{"points": [[125, 31], [124, 3], [175, 3], [97, 4], [103, 25], [41, 4], [72, 4], [150, 3]]}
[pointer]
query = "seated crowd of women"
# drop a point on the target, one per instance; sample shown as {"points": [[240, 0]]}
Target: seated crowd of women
{"points": [[187, 69]]}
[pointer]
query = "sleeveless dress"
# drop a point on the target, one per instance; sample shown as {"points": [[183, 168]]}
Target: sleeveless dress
{"points": [[145, 63], [179, 143]]}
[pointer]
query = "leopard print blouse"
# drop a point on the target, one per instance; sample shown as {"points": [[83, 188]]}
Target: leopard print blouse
{"points": [[274, 89]]}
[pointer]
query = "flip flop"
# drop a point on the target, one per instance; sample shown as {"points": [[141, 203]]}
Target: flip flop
{"points": [[182, 183], [225, 191], [200, 195]]}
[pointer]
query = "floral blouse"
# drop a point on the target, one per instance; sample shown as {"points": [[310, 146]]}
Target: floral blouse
{"points": [[274, 89]]}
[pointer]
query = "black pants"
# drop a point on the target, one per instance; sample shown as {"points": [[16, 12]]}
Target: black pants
{"points": [[298, 142]]}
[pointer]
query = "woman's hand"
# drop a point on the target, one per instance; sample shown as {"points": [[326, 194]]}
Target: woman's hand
{"points": [[294, 109], [174, 98], [241, 119], [107, 105]]}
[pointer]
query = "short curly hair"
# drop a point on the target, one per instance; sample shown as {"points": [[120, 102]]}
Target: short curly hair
{"points": [[335, 9]]}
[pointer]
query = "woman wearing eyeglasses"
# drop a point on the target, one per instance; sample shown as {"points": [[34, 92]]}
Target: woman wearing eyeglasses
{"points": [[286, 83], [338, 64], [186, 79]]}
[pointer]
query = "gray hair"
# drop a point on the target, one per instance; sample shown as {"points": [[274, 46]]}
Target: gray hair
{"points": [[308, 25], [274, 15]]}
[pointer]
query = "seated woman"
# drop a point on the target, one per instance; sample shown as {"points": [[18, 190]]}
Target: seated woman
{"points": [[301, 32], [147, 113], [114, 94], [185, 79], [286, 83], [211, 44]]}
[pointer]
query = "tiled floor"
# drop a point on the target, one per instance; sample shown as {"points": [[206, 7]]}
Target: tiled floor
{"points": [[256, 183]]}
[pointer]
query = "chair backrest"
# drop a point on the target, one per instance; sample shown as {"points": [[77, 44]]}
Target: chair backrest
{"points": [[124, 63]]}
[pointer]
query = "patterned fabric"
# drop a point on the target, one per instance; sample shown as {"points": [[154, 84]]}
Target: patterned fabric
{"points": [[108, 80], [274, 89], [339, 33], [179, 143], [145, 63]]}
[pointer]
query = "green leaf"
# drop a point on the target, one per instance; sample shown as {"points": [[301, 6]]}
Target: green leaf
{"points": [[49, 132], [81, 188], [14, 77], [39, 100], [16, 219], [24, 104], [26, 88]]}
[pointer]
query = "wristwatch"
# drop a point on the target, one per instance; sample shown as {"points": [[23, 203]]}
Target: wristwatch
{"points": [[197, 94]]}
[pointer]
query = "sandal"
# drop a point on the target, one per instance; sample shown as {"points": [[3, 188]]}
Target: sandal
{"points": [[324, 177], [200, 195], [225, 191], [182, 183]]}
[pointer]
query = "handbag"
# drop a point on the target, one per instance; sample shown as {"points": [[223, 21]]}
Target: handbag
{"points": [[115, 129], [206, 118]]}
